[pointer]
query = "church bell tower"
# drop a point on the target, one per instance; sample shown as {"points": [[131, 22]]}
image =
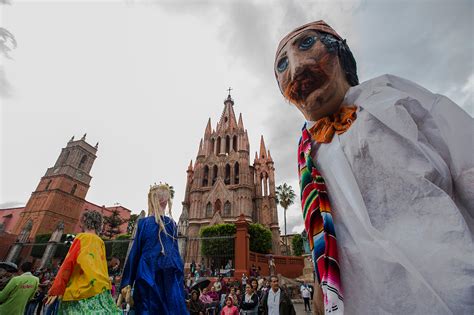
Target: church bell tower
{"points": [[61, 192]]}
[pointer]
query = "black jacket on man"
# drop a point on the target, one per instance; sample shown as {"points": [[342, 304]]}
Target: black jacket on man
{"points": [[286, 306]]}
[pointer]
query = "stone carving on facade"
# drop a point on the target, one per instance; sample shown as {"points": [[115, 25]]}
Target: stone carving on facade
{"points": [[222, 184]]}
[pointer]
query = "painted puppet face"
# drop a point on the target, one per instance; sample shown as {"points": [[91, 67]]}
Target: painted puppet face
{"points": [[310, 76]]}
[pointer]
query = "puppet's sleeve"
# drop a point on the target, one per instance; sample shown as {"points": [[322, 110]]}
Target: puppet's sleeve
{"points": [[457, 129], [131, 266], [67, 267]]}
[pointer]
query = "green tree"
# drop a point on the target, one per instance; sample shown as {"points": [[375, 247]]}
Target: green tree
{"points": [[285, 196], [112, 224], [171, 188], [131, 223], [216, 242], [119, 249], [260, 238], [297, 243]]}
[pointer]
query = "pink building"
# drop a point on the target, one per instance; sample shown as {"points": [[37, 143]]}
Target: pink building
{"points": [[106, 212], [9, 217]]}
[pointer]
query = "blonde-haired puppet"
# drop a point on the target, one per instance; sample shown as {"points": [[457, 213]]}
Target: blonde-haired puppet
{"points": [[154, 267]]}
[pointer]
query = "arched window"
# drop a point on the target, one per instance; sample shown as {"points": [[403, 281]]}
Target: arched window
{"points": [[205, 178], [268, 185], [227, 144], [214, 174], [236, 173], [234, 143], [213, 144], [73, 190], [227, 209], [227, 174], [47, 186], [262, 184], [83, 161], [218, 206], [218, 147], [209, 210]]}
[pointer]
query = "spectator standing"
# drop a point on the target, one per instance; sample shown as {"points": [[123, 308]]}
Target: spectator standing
{"points": [[213, 294], [218, 286], [229, 308], [189, 281], [244, 280], [234, 297], [306, 295], [195, 305], [18, 291], [276, 301], [249, 304], [7, 271]]}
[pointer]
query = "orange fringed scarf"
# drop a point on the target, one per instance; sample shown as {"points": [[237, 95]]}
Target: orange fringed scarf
{"points": [[324, 129]]}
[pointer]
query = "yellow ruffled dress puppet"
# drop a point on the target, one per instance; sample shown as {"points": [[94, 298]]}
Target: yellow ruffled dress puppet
{"points": [[83, 279]]}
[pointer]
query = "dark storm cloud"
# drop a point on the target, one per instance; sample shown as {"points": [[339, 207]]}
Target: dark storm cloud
{"points": [[428, 42]]}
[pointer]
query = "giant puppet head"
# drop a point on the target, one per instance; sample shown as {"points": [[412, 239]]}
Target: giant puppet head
{"points": [[159, 197], [314, 68]]}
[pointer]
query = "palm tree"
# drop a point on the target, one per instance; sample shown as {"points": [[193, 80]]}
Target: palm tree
{"points": [[285, 196]]}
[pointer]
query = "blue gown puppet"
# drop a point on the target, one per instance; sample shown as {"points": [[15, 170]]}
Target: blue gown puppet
{"points": [[154, 267]]}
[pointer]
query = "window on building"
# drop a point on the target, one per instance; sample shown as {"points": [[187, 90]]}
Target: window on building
{"points": [[227, 174], [73, 190], [209, 210], [236, 173], [234, 143], [218, 147], [49, 184], [227, 144], [213, 144], [214, 174], [218, 206], [83, 161], [205, 178], [227, 209]]}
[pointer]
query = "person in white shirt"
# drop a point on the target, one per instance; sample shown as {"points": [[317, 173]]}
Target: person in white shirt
{"points": [[276, 301], [306, 295]]}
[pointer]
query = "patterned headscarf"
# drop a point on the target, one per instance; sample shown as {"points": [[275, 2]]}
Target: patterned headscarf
{"points": [[319, 26]]}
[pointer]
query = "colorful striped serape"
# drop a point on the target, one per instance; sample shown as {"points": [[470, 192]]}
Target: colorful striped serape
{"points": [[319, 226]]}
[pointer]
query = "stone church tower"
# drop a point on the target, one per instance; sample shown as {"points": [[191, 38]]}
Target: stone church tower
{"points": [[222, 184], [61, 192]]}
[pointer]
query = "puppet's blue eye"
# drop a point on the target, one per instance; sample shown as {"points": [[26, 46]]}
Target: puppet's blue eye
{"points": [[307, 42], [282, 64]]}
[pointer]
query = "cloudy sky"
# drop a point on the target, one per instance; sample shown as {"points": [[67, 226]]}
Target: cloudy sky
{"points": [[142, 78]]}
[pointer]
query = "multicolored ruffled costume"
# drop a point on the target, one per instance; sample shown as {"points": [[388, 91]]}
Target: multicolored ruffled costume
{"points": [[83, 280]]}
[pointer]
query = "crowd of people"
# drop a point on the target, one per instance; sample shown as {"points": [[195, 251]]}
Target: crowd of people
{"points": [[225, 296], [251, 296], [151, 281]]}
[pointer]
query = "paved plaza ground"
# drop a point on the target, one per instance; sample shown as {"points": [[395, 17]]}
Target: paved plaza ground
{"points": [[299, 308]]}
